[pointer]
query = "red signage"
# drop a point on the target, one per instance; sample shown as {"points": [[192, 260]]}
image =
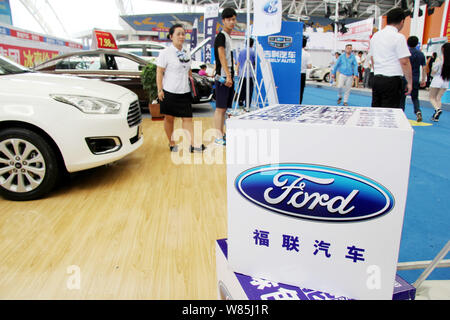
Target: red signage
{"points": [[447, 24], [105, 40], [27, 57]]}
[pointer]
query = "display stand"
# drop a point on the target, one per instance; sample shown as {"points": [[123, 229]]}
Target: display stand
{"points": [[248, 66], [237, 286], [257, 102], [310, 189], [429, 266]]}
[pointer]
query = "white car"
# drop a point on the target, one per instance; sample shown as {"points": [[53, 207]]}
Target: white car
{"points": [[149, 50], [51, 124], [319, 74]]}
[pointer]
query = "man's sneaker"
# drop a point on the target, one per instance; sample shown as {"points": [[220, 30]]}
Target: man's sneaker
{"points": [[220, 141], [436, 115], [193, 149], [419, 116]]}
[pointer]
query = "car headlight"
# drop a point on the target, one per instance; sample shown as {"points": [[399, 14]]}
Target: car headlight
{"points": [[89, 104]]}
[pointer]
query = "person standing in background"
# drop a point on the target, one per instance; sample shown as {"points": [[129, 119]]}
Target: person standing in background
{"points": [[306, 64], [390, 60], [360, 60], [348, 68], [417, 60], [430, 62], [332, 64], [172, 79], [202, 70], [368, 72], [440, 82], [224, 71]]}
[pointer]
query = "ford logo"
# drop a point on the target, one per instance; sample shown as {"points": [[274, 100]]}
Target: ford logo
{"points": [[271, 7], [314, 192]]}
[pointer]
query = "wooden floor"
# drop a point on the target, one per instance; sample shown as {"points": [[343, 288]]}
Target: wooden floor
{"points": [[141, 228]]}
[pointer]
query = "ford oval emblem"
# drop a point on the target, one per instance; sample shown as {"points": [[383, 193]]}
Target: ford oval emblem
{"points": [[271, 7], [315, 192]]}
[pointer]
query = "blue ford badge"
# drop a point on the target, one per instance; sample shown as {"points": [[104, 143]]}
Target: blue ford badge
{"points": [[271, 7], [315, 192]]}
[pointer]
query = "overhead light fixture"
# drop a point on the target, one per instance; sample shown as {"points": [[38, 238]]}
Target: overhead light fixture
{"points": [[298, 17], [340, 1]]}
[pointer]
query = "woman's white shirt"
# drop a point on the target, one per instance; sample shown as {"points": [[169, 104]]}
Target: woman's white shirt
{"points": [[176, 73], [436, 71]]}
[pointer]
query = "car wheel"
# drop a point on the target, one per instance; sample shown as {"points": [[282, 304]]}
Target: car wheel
{"points": [[28, 165], [326, 78]]}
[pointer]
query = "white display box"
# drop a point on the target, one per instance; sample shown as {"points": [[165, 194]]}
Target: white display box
{"points": [[316, 196]]}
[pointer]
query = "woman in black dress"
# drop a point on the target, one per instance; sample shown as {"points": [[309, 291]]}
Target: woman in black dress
{"points": [[172, 78]]}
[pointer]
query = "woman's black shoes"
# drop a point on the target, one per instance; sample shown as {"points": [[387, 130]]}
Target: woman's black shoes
{"points": [[436, 115], [193, 149], [173, 148]]}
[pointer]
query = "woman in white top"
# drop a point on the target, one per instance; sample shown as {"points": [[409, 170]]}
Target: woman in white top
{"points": [[172, 79], [440, 82]]}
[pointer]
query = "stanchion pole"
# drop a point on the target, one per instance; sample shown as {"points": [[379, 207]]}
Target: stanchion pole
{"points": [[432, 265]]}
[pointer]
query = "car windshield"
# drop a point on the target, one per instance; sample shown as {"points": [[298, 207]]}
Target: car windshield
{"points": [[10, 67]]}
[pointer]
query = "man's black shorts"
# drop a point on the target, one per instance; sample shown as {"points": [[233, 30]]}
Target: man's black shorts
{"points": [[224, 95]]}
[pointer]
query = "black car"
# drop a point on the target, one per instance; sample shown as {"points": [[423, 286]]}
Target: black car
{"points": [[116, 67]]}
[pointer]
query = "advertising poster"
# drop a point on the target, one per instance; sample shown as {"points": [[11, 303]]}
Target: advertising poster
{"points": [[194, 35], [29, 48], [211, 20], [5, 12], [284, 52], [27, 57], [103, 40], [447, 24], [267, 17], [357, 31]]}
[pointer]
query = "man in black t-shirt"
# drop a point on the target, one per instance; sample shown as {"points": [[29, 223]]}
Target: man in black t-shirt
{"points": [[224, 73]]}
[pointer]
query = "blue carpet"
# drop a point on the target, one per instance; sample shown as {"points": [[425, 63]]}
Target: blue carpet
{"points": [[426, 224]]}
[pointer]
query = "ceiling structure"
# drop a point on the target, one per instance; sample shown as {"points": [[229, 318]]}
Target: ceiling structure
{"points": [[293, 9], [305, 8]]}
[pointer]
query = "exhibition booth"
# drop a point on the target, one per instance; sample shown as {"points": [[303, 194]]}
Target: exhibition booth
{"points": [[315, 197]]}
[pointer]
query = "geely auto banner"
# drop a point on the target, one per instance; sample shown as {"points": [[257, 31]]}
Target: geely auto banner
{"points": [[284, 52], [316, 196]]}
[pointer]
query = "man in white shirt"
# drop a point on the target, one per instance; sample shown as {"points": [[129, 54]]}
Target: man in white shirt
{"points": [[306, 64], [390, 61], [368, 72]]}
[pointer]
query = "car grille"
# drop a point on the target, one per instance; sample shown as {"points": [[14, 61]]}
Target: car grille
{"points": [[134, 116]]}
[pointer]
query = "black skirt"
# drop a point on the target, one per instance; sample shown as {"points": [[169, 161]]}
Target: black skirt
{"points": [[176, 104]]}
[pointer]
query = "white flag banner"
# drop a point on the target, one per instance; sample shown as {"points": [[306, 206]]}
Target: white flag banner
{"points": [[357, 31], [267, 17]]}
